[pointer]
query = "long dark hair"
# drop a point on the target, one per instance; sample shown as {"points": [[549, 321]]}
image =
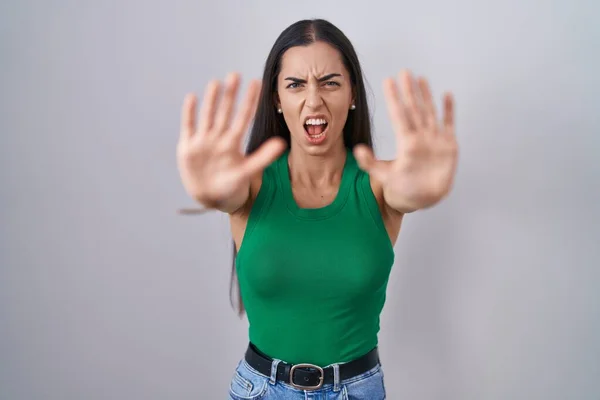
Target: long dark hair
{"points": [[268, 123]]}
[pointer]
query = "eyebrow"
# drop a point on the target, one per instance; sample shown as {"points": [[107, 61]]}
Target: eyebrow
{"points": [[325, 78]]}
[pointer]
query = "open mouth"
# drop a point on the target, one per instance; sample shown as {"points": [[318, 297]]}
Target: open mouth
{"points": [[316, 128]]}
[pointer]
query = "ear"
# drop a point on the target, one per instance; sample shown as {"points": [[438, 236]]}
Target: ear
{"points": [[276, 100]]}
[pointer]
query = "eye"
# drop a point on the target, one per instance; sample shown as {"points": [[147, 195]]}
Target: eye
{"points": [[293, 85], [332, 83]]}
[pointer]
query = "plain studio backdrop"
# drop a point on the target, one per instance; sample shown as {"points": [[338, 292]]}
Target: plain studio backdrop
{"points": [[107, 293]]}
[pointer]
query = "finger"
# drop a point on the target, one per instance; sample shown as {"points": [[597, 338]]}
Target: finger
{"points": [[429, 113], [395, 107], [409, 100], [209, 104], [449, 113], [266, 154], [188, 116], [247, 110], [367, 162], [223, 114]]}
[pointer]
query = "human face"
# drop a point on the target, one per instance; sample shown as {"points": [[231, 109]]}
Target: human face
{"points": [[315, 93]]}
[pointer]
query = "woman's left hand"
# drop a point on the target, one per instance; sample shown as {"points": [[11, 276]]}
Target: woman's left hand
{"points": [[427, 151]]}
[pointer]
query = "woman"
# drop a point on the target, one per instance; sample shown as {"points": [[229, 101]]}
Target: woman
{"points": [[313, 214]]}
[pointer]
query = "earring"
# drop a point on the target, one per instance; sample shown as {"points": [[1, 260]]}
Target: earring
{"points": [[280, 111], [353, 107]]}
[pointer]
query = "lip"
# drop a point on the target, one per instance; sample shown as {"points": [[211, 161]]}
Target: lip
{"points": [[316, 116]]}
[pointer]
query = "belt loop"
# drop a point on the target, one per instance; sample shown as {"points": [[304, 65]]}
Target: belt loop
{"points": [[274, 365], [336, 377]]}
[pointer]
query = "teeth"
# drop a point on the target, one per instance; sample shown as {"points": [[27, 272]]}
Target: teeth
{"points": [[313, 121]]}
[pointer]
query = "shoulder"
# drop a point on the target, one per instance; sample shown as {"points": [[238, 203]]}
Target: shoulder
{"points": [[269, 175], [392, 218]]}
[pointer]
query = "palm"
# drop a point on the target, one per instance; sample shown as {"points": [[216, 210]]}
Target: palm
{"points": [[210, 160], [426, 155]]}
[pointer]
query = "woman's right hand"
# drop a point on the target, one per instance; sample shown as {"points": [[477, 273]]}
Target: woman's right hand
{"points": [[213, 168]]}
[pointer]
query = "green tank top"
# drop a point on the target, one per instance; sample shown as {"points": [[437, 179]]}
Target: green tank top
{"points": [[314, 281]]}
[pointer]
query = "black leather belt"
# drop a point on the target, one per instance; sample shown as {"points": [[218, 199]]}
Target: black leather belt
{"points": [[309, 376]]}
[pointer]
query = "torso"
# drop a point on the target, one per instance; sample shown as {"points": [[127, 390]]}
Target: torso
{"points": [[313, 265]]}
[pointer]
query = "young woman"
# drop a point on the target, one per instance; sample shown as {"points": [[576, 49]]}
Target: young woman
{"points": [[314, 215]]}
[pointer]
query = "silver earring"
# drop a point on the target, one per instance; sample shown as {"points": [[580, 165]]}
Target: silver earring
{"points": [[279, 110], [353, 107]]}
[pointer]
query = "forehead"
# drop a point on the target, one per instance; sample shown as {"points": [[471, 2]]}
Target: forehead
{"points": [[315, 59]]}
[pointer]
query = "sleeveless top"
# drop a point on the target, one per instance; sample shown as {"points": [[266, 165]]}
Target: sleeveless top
{"points": [[313, 281]]}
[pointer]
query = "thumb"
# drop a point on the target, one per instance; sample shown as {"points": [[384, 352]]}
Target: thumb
{"points": [[367, 162], [364, 156], [266, 154]]}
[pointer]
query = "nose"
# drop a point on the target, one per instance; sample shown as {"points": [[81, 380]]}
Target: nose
{"points": [[313, 97]]}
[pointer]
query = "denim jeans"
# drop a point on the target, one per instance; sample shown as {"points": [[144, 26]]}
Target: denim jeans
{"points": [[249, 384]]}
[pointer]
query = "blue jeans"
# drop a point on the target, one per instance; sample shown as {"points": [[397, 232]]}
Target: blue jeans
{"points": [[249, 384]]}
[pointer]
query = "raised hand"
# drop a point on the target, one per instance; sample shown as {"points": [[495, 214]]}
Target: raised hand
{"points": [[427, 151], [213, 168]]}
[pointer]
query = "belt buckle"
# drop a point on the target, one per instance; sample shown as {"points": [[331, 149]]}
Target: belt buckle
{"points": [[303, 387]]}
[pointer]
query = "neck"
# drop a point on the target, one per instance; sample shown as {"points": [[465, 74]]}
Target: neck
{"points": [[317, 170]]}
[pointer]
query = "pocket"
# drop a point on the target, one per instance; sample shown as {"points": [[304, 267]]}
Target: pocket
{"points": [[247, 384], [368, 386]]}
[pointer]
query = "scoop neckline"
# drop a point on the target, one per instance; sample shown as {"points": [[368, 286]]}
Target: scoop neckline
{"points": [[321, 212]]}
